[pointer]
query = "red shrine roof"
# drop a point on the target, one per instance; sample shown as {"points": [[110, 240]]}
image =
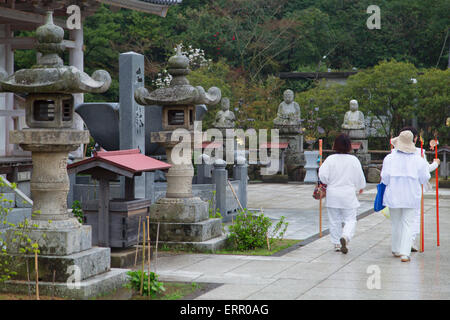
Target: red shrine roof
{"points": [[356, 145], [211, 145], [270, 145], [132, 161]]}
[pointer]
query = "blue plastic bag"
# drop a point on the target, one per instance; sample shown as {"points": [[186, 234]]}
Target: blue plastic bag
{"points": [[378, 204]]}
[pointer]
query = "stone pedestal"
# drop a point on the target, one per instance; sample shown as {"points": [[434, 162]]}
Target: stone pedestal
{"points": [[311, 166], [183, 219], [363, 152], [294, 156], [65, 245]]}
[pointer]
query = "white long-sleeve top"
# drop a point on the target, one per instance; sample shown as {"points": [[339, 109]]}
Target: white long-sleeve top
{"points": [[403, 174], [343, 175], [431, 166]]}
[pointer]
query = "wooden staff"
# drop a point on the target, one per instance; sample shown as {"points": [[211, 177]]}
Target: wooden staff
{"points": [[422, 242], [320, 200], [148, 246], [143, 258], [36, 267], [157, 239], [437, 188], [235, 195], [137, 244]]}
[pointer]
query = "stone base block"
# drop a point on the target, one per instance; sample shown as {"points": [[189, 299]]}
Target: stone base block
{"points": [[178, 210], [187, 232], [88, 264], [275, 178], [364, 158], [124, 258], [57, 241], [86, 289], [211, 245]]}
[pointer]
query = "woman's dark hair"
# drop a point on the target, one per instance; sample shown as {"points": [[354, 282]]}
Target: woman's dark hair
{"points": [[412, 129], [342, 144]]}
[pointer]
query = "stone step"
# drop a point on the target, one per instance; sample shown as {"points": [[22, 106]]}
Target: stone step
{"points": [[8, 200], [187, 232], [86, 289], [16, 215], [81, 265]]}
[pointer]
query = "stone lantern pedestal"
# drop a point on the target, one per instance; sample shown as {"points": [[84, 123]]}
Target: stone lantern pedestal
{"points": [[183, 219], [68, 265]]}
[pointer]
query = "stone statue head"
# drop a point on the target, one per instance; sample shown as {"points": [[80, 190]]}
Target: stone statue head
{"points": [[288, 96], [353, 105], [225, 104]]}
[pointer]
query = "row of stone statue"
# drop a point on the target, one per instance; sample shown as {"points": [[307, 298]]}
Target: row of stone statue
{"points": [[289, 115]]}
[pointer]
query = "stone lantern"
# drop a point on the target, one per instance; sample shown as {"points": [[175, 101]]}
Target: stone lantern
{"points": [[182, 217], [49, 87]]}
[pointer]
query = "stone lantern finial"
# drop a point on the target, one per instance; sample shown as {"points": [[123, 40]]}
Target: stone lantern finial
{"points": [[49, 37]]}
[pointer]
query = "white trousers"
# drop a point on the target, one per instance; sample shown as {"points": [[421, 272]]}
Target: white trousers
{"points": [[416, 225], [336, 217], [402, 229]]}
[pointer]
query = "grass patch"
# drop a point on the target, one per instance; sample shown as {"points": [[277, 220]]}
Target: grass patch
{"points": [[277, 246]]}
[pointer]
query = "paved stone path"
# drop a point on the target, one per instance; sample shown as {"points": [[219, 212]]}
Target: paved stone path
{"points": [[315, 271]]}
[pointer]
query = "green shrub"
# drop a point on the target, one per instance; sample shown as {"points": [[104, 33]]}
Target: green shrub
{"points": [[134, 283], [250, 230], [77, 211]]}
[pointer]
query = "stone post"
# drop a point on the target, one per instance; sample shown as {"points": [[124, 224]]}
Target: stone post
{"points": [[219, 178], [131, 114], [240, 173]]}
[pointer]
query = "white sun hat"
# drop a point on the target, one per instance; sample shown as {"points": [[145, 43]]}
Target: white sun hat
{"points": [[404, 142]]}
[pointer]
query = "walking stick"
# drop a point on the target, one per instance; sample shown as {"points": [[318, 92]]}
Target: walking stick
{"points": [[148, 253], [422, 242], [434, 143], [320, 200]]}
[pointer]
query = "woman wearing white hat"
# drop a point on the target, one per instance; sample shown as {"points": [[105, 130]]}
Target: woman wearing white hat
{"points": [[403, 173]]}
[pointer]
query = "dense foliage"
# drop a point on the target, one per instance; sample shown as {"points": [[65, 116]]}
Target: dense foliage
{"points": [[249, 42]]}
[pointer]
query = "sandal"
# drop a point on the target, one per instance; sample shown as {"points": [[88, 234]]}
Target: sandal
{"points": [[406, 259]]}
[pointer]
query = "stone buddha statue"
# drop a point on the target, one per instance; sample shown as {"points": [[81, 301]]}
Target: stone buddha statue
{"points": [[224, 118], [288, 111], [354, 121]]}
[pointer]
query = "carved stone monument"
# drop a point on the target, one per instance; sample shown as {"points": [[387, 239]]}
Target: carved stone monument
{"points": [[49, 87], [184, 219], [224, 118], [288, 122], [354, 125]]}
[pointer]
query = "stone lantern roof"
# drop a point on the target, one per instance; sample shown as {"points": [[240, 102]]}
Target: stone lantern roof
{"points": [[50, 75], [180, 92]]}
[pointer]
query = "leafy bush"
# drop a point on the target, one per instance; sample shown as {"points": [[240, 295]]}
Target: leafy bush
{"points": [[77, 211], [250, 230], [135, 283]]}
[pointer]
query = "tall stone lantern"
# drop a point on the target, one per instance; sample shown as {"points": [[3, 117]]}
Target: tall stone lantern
{"points": [[49, 87], [182, 217]]}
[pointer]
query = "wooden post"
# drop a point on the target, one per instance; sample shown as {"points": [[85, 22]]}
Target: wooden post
{"points": [[103, 213], [137, 244], [157, 239], [148, 246], [143, 257], [36, 267], [235, 195]]}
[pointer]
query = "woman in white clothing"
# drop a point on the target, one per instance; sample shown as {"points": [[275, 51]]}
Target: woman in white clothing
{"points": [[403, 172], [343, 175], [431, 167]]}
